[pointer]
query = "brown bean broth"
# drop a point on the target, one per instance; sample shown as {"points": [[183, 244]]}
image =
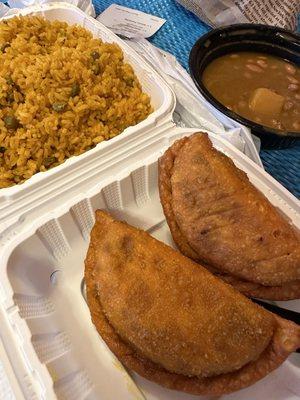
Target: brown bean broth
{"points": [[233, 78]]}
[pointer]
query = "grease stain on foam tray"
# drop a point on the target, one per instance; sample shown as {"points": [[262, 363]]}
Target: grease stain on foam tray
{"points": [[131, 386], [53, 373]]}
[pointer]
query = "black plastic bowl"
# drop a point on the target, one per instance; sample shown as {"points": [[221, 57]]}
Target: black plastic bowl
{"points": [[246, 37]]}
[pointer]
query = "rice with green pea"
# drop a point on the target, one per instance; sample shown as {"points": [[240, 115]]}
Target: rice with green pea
{"points": [[61, 93]]}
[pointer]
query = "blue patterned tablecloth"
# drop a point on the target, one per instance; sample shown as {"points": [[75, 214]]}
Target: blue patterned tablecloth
{"points": [[177, 36]]}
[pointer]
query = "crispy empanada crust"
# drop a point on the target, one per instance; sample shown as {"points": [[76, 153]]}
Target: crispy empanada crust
{"points": [[159, 312], [219, 227]]}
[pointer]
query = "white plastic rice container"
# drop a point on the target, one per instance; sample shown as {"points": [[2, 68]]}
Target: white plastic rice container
{"points": [[49, 348], [162, 100]]}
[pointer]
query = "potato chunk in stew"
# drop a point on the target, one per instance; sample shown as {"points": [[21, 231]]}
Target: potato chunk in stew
{"points": [[266, 102], [257, 86]]}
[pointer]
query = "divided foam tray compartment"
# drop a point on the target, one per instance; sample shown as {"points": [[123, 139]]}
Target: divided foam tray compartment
{"points": [[46, 328], [162, 100]]}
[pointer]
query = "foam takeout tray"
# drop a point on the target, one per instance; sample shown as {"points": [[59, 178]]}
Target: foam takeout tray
{"points": [[49, 348], [47, 333]]}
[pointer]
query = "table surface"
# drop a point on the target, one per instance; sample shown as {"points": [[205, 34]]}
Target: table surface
{"points": [[177, 36]]}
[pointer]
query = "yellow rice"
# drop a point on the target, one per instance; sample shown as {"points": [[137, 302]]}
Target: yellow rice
{"points": [[40, 64]]}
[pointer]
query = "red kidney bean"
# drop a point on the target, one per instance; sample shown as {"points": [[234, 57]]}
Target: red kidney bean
{"points": [[276, 124], [290, 68], [262, 63], [254, 68], [296, 125], [288, 105], [293, 87]]}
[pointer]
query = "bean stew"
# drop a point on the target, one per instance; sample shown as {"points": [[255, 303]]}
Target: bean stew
{"points": [[260, 87]]}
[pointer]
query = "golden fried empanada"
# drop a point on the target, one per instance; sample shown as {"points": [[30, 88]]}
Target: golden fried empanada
{"points": [[218, 218], [172, 321]]}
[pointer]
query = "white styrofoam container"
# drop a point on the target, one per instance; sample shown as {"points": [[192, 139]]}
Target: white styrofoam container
{"points": [[53, 347], [162, 100]]}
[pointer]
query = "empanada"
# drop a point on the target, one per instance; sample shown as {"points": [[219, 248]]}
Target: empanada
{"points": [[172, 321], [218, 218]]}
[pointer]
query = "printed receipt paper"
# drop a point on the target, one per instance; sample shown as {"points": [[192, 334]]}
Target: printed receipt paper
{"points": [[129, 22]]}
